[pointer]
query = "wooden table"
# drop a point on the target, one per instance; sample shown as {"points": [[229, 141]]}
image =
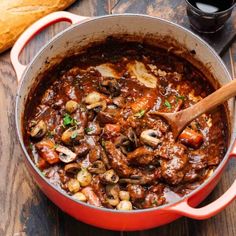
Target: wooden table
{"points": [[24, 209]]}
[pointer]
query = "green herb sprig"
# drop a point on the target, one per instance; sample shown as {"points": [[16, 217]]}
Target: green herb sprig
{"points": [[140, 114], [167, 104]]}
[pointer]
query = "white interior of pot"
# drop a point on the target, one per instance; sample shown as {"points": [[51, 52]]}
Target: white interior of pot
{"points": [[77, 37]]}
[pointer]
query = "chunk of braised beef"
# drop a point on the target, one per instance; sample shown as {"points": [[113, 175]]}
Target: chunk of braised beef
{"points": [[174, 159], [153, 200], [111, 131], [191, 175], [157, 188], [141, 156], [82, 149], [105, 118], [100, 191], [136, 191], [81, 118], [143, 177], [119, 101], [198, 159], [93, 128], [117, 160], [95, 154]]}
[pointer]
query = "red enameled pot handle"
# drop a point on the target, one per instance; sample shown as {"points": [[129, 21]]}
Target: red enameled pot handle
{"points": [[211, 209], [34, 29]]}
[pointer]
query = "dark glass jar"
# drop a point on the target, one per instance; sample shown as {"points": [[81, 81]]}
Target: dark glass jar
{"points": [[206, 21]]}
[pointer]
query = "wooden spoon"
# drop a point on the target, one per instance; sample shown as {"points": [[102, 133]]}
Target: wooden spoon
{"points": [[179, 120]]}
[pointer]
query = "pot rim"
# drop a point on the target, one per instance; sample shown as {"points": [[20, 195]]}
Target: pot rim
{"points": [[45, 180]]}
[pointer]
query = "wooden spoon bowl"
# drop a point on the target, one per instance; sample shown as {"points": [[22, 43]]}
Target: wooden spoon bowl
{"points": [[179, 120]]}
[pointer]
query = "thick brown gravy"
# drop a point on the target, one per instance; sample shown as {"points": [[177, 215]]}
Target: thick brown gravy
{"points": [[88, 128]]}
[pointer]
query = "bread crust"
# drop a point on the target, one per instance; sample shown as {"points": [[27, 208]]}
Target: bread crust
{"points": [[17, 15]]}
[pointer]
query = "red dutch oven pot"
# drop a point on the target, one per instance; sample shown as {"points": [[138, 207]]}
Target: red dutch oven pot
{"points": [[82, 32]]}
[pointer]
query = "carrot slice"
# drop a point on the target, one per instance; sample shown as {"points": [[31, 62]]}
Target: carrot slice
{"points": [[47, 151], [42, 164], [191, 138]]}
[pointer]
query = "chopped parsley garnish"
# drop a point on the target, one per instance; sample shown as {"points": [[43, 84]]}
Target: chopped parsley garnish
{"points": [[140, 114], [50, 134], [178, 97], [74, 135], [89, 129], [103, 143], [167, 104], [154, 202], [31, 146], [56, 146], [68, 120]]}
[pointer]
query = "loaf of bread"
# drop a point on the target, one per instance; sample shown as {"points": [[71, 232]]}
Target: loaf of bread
{"points": [[17, 15]]}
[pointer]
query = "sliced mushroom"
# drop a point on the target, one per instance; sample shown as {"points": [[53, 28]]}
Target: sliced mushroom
{"points": [[110, 177], [112, 192], [65, 154], [149, 137], [72, 168], [72, 135], [110, 86], [98, 106], [97, 167], [39, 130]]}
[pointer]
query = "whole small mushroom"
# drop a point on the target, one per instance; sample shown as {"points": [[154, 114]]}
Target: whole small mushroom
{"points": [[124, 195], [80, 196], [72, 135], [84, 177], [124, 205], [71, 106], [112, 192], [73, 185]]}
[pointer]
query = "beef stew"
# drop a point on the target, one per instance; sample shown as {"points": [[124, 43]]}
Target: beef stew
{"points": [[88, 126]]}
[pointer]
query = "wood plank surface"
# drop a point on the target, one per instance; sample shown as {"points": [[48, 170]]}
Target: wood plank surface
{"points": [[175, 11], [24, 209]]}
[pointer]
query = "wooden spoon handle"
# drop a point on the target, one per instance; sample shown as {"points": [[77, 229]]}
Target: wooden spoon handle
{"points": [[218, 97]]}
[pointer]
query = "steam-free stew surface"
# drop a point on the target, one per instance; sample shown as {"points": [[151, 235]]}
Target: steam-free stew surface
{"points": [[89, 128]]}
